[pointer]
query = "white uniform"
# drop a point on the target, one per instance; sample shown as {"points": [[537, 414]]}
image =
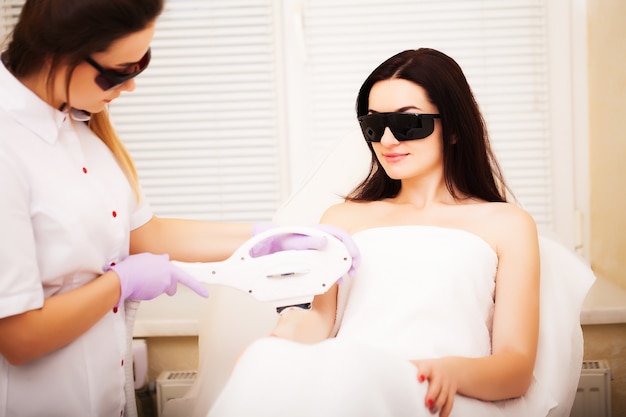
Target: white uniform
{"points": [[66, 212]]}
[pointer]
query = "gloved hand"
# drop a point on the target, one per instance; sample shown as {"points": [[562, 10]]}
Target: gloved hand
{"points": [[145, 276], [296, 241]]}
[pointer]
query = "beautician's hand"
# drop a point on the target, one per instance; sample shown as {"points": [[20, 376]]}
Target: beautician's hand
{"points": [[301, 242], [145, 276], [441, 384]]}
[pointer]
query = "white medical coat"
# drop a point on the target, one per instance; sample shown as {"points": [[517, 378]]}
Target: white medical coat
{"points": [[66, 212]]}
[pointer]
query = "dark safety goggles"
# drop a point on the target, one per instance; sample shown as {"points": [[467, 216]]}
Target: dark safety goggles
{"points": [[404, 126], [108, 78]]}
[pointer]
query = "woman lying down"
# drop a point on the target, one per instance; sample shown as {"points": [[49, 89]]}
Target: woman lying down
{"points": [[442, 317]]}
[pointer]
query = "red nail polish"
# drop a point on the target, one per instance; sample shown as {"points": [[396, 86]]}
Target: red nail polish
{"points": [[429, 403], [421, 378]]}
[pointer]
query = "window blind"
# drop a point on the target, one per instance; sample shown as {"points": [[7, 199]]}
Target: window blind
{"points": [[203, 125], [501, 46], [9, 12], [244, 95]]}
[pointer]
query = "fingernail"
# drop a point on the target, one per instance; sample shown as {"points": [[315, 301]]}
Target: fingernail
{"points": [[421, 378], [429, 403]]}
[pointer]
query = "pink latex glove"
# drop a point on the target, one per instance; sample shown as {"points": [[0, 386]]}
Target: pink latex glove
{"points": [[301, 242], [145, 276]]}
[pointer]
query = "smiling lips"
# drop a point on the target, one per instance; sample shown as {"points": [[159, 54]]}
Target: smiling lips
{"points": [[394, 157]]}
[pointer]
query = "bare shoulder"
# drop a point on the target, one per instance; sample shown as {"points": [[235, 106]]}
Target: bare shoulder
{"points": [[348, 215], [509, 226], [509, 214]]}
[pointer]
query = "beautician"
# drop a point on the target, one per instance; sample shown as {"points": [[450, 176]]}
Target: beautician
{"points": [[78, 237]]}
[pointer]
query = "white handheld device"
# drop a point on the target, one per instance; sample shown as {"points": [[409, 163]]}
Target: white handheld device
{"points": [[282, 278]]}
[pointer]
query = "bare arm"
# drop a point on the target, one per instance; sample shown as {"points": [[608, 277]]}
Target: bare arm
{"points": [[316, 324], [309, 326], [61, 320], [189, 240], [507, 372]]}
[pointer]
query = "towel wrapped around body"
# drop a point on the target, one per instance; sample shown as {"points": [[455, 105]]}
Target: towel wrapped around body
{"points": [[421, 292]]}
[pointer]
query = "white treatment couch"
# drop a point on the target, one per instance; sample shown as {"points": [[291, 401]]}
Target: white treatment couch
{"points": [[231, 319]]}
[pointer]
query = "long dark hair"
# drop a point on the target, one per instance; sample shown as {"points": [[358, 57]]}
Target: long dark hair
{"points": [[470, 167], [54, 32]]}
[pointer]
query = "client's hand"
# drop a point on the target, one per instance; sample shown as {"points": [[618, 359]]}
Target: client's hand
{"points": [[301, 242], [145, 276], [441, 384]]}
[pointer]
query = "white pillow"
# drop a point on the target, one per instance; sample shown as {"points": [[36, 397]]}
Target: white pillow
{"points": [[565, 281], [342, 170]]}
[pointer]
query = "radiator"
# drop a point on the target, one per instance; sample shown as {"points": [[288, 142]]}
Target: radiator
{"points": [[593, 396], [172, 384]]}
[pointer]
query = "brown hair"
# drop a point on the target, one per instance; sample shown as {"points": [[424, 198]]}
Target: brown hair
{"points": [[470, 166]]}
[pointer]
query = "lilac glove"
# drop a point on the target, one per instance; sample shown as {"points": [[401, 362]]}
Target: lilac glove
{"points": [[301, 242], [145, 276]]}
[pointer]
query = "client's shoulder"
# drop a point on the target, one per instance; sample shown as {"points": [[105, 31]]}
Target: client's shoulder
{"points": [[350, 215], [506, 214], [506, 225]]}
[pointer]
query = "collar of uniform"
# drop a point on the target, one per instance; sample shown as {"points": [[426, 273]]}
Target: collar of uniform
{"points": [[76, 114], [30, 111], [79, 115]]}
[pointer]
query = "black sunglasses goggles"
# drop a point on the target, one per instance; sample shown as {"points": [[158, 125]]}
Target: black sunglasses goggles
{"points": [[404, 126], [108, 79]]}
